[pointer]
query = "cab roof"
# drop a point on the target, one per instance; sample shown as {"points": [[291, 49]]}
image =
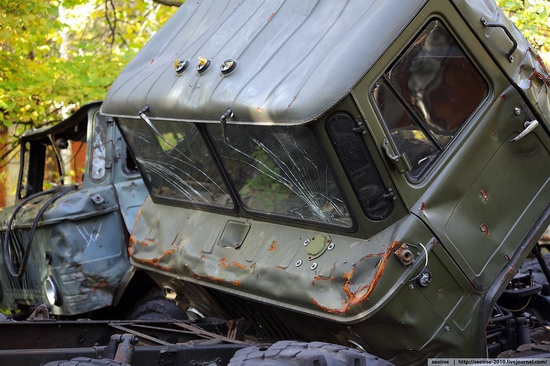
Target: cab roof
{"points": [[294, 59]]}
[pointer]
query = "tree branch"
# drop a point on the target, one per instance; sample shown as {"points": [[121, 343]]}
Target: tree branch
{"points": [[169, 2]]}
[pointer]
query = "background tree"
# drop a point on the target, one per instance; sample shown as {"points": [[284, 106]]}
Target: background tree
{"points": [[56, 55], [532, 18]]}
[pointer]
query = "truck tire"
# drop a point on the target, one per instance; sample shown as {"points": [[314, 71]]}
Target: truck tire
{"points": [[85, 361], [294, 353], [156, 306]]}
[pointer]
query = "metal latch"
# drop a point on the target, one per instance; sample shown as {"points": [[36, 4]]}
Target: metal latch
{"points": [[401, 162], [529, 126]]}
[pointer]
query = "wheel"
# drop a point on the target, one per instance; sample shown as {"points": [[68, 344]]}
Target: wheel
{"points": [[85, 361], [293, 353], [155, 306]]}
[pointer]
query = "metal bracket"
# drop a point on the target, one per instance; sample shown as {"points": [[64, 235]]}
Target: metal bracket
{"points": [[401, 162], [508, 33]]}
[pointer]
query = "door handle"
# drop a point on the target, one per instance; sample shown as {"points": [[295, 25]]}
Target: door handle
{"points": [[528, 127], [508, 33]]}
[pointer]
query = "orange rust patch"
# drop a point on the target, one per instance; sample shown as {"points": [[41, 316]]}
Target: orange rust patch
{"points": [[203, 256], [281, 268], [321, 278], [273, 246], [270, 17], [239, 265], [236, 283], [223, 263], [137, 217], [132, 246], [153, 262], [260, 109], [146, 242], [356, 298]]}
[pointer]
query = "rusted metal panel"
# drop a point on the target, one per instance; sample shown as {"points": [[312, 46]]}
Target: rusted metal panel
{"points": [[335, 285]]}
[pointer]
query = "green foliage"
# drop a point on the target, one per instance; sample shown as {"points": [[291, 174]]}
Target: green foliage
{"points": [[532, 18], [57, 55]]}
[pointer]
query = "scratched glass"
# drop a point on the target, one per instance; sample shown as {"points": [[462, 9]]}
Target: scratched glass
{"points": [[176, 163], [280, 170]]}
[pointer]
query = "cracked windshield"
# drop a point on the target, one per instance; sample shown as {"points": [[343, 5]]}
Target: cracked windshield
{"points": [[280, 170], [176, 163]]}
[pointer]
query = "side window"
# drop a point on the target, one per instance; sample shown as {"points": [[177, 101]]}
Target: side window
{"points": [[427, 95], [32, 169], [98, 158], [359, 167]]}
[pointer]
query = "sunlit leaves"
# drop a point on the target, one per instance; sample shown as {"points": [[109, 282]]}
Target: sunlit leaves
{"points": [[532, 18], [57, 55]]}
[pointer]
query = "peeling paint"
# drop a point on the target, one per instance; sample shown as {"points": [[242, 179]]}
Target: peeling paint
{"points": [[153, 262], [223, 263], [356, 298], [239, 265]]}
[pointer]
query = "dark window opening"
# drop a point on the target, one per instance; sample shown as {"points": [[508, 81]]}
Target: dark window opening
{"points": [[427, 95], [359, 166]]}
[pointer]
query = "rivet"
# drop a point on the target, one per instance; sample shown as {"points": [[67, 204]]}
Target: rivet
{"points": [[313, 266], [517, 111], [306, 242], [299, 262], [331, 246]]}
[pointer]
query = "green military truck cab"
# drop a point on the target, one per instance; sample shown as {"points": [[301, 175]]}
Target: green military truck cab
{"points": [[366, 173], [64, 243]]}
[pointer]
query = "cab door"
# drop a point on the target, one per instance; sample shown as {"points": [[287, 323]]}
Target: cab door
{"points": [[447, 120]]}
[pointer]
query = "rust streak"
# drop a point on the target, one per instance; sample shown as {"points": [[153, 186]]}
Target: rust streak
{"points": [[153, 263], [292, 101], [223, 263], [355, 298], [270, 17], [131, 246], [322, 278], [239, 265], [273, 246]]}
